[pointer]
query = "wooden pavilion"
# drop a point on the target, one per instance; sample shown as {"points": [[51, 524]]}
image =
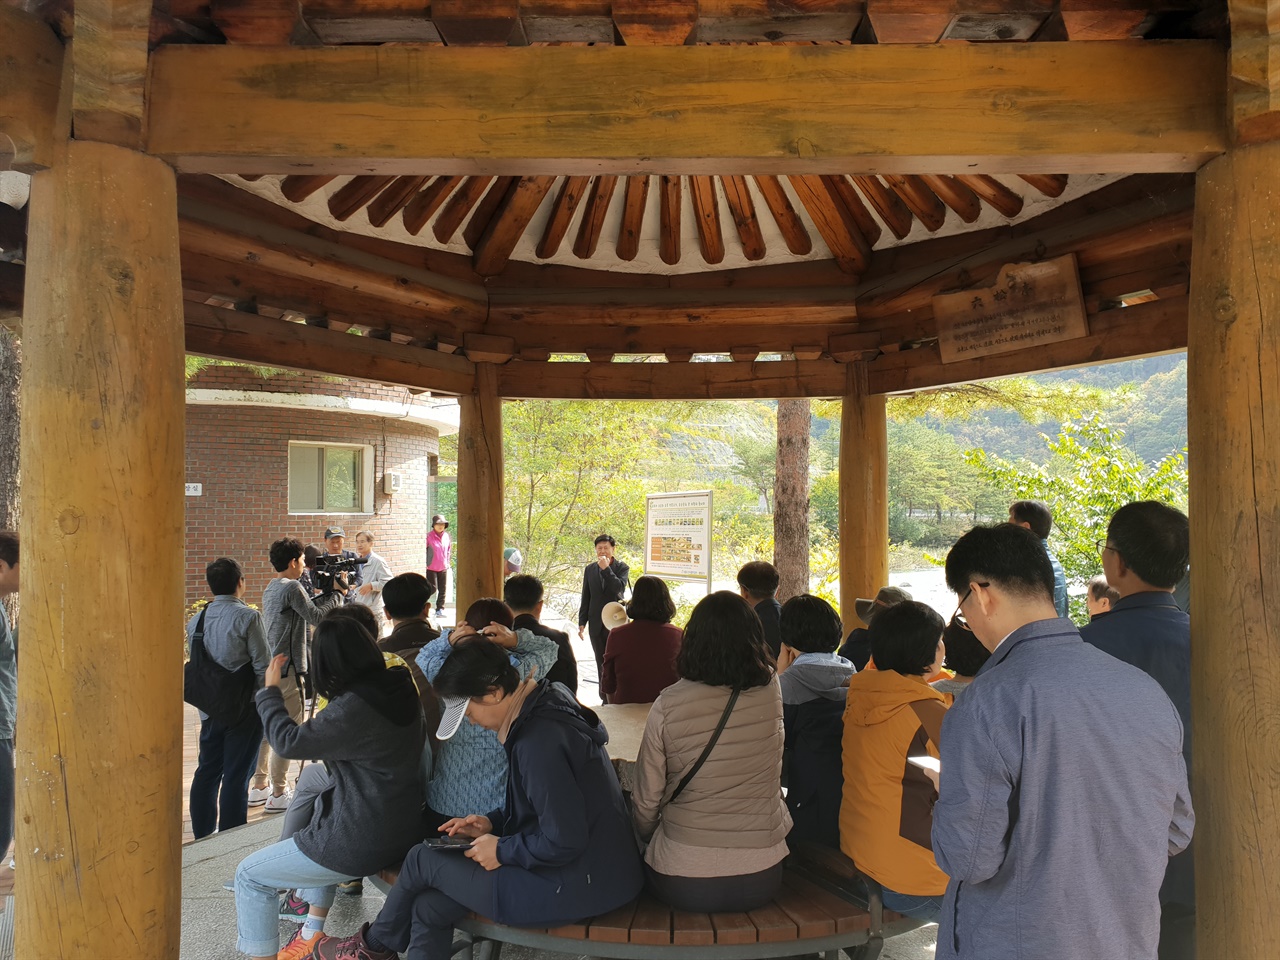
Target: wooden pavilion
{"points": [[474, 187]]}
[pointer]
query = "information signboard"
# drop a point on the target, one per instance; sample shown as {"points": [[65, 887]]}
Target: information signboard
{"points": [[677, 542]]}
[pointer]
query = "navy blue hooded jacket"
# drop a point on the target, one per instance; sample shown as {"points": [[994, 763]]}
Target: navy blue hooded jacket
{"points": [[564, 822]]}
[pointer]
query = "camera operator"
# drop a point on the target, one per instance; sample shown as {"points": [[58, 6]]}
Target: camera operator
{"points": [[335, 539], [286, 610]]}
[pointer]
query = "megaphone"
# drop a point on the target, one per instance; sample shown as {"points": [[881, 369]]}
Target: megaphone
{"points": [[614, 614]]}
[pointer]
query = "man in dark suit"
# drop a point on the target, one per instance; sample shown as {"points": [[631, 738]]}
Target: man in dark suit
{"points": [[1144, 557], [603, 581], [523, 594], [758, 584]]}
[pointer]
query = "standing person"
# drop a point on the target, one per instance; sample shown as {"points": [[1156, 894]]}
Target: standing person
{"points": [[8, 684], [603, 581], [1144, 557], [857, 646], [335, 539], [286, 611], [1063, 788], [640, 656], [376, 574], [717, 844], [523, 594], [370, 739], [439, 553], [1035, 515], [758, 585], [233, 637], [1100, 596]]}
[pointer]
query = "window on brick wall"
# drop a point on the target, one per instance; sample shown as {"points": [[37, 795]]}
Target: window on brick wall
{"points": [[330, 478]]}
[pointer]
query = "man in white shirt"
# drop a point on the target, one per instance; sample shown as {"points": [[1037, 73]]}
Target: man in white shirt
{"points": [[376, 573]]}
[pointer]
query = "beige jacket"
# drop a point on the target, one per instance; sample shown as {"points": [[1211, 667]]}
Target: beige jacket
{"points": [[735, 800]]}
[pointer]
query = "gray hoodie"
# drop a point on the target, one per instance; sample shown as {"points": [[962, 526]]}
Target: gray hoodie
{"points": [[816, 676]]}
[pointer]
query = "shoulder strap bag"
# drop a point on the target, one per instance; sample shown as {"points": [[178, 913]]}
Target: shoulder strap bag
{"points": [[225, 695], [724, 718]]}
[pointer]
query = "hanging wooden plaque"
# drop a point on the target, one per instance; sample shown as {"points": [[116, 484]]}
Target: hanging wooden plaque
{"points": [[1030, 304]]}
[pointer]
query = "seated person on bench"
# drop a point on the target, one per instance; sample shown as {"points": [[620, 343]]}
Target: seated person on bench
{"points": [[560, 849], [717, 844], [815, 685], [371, 738], [887, 813]]}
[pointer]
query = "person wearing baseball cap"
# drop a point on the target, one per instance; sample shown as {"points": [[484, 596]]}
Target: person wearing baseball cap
{"points": [[857, 646], [439, 552], [335, 539]]}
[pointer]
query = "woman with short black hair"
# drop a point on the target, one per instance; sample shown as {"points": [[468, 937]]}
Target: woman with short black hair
{"points": [[559, 849], [640, 656], [715, 819], [370, 738]]}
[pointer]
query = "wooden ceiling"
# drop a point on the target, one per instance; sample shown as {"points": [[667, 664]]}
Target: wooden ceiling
{"points": [[844, 217]]}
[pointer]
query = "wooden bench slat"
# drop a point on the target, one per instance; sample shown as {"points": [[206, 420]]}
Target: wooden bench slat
{"points": [[570, 931], [612, 927], [733, 928], [809, 917], [652, 922], [773, 925], [692, 929], [848, 916]]}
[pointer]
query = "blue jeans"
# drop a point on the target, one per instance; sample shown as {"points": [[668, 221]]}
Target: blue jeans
{"points": [[277, 867], [220, 785], [917, 908]]}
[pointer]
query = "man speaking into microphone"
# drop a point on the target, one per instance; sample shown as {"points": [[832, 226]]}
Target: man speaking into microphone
{"points": [[604, 581]]}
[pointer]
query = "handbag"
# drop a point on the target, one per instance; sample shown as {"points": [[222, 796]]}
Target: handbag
{"points": [[697, 765], [224, 695]]}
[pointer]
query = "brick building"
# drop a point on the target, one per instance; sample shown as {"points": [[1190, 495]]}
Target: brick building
{"points": [[288, 455]]}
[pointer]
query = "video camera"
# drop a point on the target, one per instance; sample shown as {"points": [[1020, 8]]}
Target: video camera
{"points": [[326, 568]]}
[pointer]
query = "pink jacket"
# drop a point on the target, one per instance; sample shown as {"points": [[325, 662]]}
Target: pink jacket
{"points": [[441, 546]]}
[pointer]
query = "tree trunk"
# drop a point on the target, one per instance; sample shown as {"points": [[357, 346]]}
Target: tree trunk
{"points": [[791, 499]]}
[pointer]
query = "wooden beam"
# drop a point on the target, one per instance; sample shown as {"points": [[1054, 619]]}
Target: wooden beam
{"points": [[658, 337], [257, 22], [504, 231], [110, 70], [1060, 107], [248, 338], [99, 788], [1255, 70], [480, 486], [650, 22], [671, 381], [493, 23], [31, 77], [760, 21], [1159, 326], [842, 237], [370, 21], [1233, 368]]}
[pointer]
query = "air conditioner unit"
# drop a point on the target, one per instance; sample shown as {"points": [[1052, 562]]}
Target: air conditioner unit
{"points": [[391, 483]]}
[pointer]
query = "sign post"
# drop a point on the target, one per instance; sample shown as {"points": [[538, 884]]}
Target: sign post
{"points": [[677, 540]]}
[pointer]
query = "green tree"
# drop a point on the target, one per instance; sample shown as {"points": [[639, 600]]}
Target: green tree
{"points": [[1089, 475]]}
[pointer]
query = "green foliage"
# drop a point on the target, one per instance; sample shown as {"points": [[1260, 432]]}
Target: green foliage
{"points": [[1089, 475], [195, 364]]}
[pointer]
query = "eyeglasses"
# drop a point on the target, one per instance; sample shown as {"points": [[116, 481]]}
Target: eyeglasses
{"points": [[959, 616], [1102, 547]]}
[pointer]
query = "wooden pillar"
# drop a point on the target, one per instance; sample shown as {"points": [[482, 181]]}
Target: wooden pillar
{"points": [[864, 495], [480, 507], [99, 745], [1233, 412]]}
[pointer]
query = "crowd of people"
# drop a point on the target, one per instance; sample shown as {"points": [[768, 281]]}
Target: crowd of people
{"points": [[983, 770]]}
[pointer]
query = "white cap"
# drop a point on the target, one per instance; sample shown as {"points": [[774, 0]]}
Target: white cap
{"points": [[455, 708], [613, 615]]}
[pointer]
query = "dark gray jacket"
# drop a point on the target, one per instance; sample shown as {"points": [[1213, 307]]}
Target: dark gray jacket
{"points": [[286, 611], [370, 739]]}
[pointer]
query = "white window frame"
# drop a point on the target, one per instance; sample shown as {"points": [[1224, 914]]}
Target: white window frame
{"points": [[366, 479]]}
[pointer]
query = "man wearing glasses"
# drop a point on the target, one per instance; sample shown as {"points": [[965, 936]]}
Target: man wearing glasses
{"points": [[1063, 790], [1144, 556]]}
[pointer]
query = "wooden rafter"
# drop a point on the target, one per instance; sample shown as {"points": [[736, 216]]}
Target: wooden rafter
{"points": [[669, 218], [706, 210], [297, 188], [460, 204], [956, 196], [486, 210], [566, 203], [584, 247], [634, 203], [886, 203], [508, 225], [793, 230], [848, 246], [994, 193], [920, 200], [843, 191], [718, 110], [422, 207], [354, 194], [1050, 184], [742, 209], [394, 199]]}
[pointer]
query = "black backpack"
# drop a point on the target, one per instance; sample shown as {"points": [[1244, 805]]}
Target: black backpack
{"points": [[225, 695]]}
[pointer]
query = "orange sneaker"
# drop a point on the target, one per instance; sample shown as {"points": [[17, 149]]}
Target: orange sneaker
{"points": [[300, 947]]}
